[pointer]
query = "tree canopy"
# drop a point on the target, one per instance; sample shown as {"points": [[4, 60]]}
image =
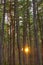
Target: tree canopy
{"points": [[21, 26]]}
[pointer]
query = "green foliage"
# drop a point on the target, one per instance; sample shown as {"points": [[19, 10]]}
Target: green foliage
{"points": [[1, 13], [21, 12]]}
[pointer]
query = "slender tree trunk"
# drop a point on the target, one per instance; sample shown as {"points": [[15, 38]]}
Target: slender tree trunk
{"points": [[29, 28], [41, 33], [42, 36], [10, 47], [0, 48], [17, 29], [2, 35], [36, 42], [24, 33]]}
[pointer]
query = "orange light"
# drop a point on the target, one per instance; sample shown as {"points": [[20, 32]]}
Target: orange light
{"points": [[26, 50]]}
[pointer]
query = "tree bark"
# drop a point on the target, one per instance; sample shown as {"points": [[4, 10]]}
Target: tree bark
{"points": [[36, 41]]}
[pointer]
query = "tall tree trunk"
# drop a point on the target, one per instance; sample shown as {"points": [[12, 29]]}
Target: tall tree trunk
{"points": [[2, 35], [29, 28], [41, 33], [24, 33], [36, 42], [17, 29], [10, 43], [42, 36]]}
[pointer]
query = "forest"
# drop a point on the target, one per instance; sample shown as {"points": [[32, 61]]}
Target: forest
{"points": [[21, 32]]}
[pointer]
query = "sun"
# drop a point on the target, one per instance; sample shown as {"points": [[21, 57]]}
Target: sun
{"points": [[26, 49]]}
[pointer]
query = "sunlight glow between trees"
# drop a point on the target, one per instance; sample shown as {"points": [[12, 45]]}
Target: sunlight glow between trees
{"points": [[26, 50]]}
